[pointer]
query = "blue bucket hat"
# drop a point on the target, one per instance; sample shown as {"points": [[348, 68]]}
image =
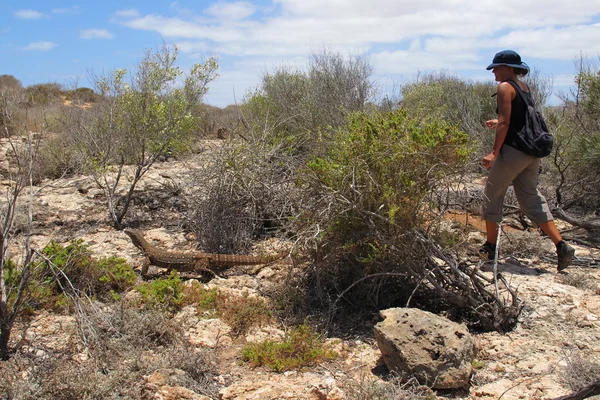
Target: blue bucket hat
{"points": [[510, 58]]}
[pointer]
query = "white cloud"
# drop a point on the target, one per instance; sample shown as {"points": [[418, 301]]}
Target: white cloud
{"points": [[95, 34], [401, 36], [192, 47], [129, 13], [559, 43], [39, 46], [66, 10], [28, 14], [231, 11]]}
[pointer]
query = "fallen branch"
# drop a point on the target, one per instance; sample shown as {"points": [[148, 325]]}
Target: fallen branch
{"points": [[559, 213], [588, 391]]}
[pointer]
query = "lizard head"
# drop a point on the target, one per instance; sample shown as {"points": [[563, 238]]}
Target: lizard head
{"points": [[136, 237]]}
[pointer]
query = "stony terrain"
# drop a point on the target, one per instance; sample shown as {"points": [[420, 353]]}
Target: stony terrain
{"points": [[558, 328]]}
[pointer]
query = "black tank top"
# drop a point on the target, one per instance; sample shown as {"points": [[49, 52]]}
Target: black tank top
{"points": [[517, 118]]}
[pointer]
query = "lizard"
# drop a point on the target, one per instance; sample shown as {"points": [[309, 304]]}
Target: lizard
{"points": [[191, 261]]}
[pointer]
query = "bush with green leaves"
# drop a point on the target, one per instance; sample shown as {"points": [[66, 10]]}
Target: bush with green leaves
{"points": [[144, 117], [454, 100], [67, 272], [292, 106], [370, 207], [302, 347], [163, 293], [574, 170]]}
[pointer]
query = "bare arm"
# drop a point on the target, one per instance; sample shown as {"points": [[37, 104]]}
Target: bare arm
{"points": [[506, 94]]}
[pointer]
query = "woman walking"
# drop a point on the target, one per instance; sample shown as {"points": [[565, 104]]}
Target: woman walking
{"points": [[507, 164]]}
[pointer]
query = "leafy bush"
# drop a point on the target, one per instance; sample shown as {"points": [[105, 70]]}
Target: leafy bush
{"points": [[465, 104], [370, 206], [163, 293], [139, 123], [302, 347], [575, 167], [242, 312], [44, 94], [72, 269]]}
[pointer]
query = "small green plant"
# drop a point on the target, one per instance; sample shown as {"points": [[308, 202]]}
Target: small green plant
{"points": [[477, 364], [240, 312], [105, 277], [243, 312], [302, 347], [204, 299], [71, 269], [164, 293]]}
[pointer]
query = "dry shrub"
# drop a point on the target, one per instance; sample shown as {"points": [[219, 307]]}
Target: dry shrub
{"points": [[123, 345], [242, 192], [581, 370], [56, 158], [578, 279], [393, 389], [523, 244]]}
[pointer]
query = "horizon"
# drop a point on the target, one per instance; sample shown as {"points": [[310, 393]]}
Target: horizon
{"points": [[66, 43]]}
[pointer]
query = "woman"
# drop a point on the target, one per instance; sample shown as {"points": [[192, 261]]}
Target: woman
{"points": [[508, 164]]}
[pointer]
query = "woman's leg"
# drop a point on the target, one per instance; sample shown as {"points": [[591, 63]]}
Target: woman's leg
{"points": [[535, 206]]}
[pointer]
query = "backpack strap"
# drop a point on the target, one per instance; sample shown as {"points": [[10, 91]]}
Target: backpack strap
{"points": [[527, 98]]}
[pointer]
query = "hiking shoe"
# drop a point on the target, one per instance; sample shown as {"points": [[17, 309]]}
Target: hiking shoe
{"points": [[565, 254], [488, 251]]}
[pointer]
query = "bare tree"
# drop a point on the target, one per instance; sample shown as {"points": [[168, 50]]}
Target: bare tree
{"points": [[14, 280]]}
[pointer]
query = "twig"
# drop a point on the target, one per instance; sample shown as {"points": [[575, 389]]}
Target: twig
{"points": [[496, 250]]}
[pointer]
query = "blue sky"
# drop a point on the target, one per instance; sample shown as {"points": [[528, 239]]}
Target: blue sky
{"points": [[55, 41]]}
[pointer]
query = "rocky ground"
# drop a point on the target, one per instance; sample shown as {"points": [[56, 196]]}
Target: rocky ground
{"points": [[558, 333]]}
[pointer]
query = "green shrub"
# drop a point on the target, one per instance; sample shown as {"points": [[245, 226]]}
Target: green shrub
{"points": [[44, 94], [240, 312], [204, 299], [386, 164], [164, 293], [243, 312], [72, 271], [374, 184], [302, 347]]}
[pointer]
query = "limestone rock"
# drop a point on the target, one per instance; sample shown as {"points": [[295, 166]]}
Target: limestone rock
{"points": [[438, 352]]}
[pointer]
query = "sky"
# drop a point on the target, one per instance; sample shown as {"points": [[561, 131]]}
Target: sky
{"points": [[68, 42]]}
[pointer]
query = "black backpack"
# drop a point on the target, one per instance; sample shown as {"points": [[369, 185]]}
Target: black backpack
{"points": [[534, 139]]}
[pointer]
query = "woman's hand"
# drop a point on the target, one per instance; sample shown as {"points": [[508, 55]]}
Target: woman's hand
{"points": [[491, 123], [489, 160]]}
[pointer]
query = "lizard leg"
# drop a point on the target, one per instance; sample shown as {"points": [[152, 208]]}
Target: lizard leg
{"points": [[203, 265], [145, 265]]}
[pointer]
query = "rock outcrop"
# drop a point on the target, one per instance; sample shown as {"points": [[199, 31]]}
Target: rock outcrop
{"points": [[438, 352]]}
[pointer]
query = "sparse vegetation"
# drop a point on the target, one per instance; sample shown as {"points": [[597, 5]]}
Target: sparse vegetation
{"points": [[359, 188], [302, 347], [243, 312], [392, 389], [581, 370]]}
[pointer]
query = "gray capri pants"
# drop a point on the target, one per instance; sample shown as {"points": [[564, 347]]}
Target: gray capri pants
{"points": [[522, 170]]}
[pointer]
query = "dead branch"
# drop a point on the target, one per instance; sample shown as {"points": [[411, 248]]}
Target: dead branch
{"points": [[588, 391], [590, 225]]}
